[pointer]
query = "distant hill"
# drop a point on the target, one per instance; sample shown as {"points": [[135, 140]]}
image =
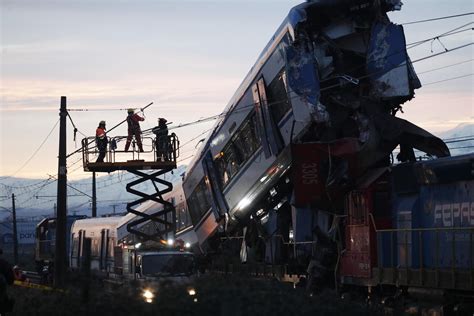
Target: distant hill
{"points": [[37, 197], [460, 139]]}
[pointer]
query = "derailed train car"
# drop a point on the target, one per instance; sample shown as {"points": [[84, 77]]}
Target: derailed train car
{"points": [[315, 112], [300, 171]]}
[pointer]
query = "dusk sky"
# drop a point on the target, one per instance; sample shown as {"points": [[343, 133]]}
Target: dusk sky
{"points": [[188, 57]]}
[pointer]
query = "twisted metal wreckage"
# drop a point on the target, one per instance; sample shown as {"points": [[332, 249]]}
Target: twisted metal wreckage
{"points": [[349, 65]]}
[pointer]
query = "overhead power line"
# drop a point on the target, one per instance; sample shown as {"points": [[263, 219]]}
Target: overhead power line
{"points": [[447, 66], [448, 79], [454, 31], [439, 18], [34, 153]]}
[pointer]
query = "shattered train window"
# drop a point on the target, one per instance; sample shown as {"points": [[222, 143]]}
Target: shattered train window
{"points": [[278, 101]]}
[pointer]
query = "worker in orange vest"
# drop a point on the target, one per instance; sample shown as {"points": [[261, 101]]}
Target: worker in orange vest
{"points": [[101, 141]]}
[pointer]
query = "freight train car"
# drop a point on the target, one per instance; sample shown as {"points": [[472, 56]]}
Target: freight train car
{"points": [[412, 227]]}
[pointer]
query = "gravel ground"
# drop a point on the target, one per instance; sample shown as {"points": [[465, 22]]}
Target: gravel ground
{"points": [[215, 295]]}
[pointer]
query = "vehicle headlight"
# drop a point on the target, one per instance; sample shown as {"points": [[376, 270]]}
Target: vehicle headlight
{"points": [[148, 295], [191, 291]]}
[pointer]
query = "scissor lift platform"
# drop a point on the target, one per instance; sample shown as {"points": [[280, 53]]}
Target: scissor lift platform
{"points": [[160, 161], [116, 159]]}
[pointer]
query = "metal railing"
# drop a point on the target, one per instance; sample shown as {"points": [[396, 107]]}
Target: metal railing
{"points": [[427, 252], [115, 151]]}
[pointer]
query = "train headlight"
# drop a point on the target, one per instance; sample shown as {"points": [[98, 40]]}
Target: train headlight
{"points": [[187, 245], [191, 291], [170, 242], [148, 295]]}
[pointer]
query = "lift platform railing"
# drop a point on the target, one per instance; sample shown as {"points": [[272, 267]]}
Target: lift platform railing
{"points": [[154, 155]]}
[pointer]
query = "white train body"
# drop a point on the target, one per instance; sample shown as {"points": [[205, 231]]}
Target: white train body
{"points": [[102, 232]]}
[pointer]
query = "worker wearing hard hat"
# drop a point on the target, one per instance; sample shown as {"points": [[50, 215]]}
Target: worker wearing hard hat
{"points": [[101, 141], [162, 141], [133, 120]]}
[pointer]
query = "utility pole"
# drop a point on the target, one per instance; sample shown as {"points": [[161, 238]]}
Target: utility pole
{"points": [[60, 259], [15, 234], [94, 196]]}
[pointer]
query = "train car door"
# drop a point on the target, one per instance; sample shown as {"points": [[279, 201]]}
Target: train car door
{"points": [[271, 139], [357, 260], [82, 233], [104, 237], [219, 205]]}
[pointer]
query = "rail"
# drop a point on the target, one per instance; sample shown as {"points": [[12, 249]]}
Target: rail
{"points": [[116, 158]]}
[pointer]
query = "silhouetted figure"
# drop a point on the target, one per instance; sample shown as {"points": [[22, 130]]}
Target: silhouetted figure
{"points": [[162, 141], [134, 129], [6, 278]]}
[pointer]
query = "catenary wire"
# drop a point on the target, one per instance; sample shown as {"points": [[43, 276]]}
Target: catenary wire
{"points": [[448, 79], [438, 18], [447, 66], [34, 153]]}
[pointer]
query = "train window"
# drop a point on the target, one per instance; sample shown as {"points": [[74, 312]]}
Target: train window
{"points": [[277, 95], [95, 247], [238, 151], [110, 248], [198, 202], [75, 245], [182, 217]]}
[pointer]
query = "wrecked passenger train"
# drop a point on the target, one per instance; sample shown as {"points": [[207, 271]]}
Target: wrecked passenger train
{"points": [[315, 113]]}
